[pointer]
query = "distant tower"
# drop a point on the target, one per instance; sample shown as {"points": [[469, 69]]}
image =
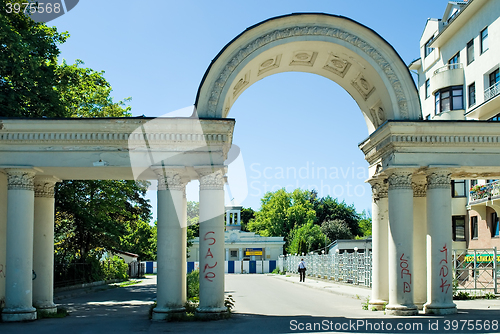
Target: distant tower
{"points": [[233, 218]]}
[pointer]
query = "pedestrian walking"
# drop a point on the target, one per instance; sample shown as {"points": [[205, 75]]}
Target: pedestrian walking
{"points": [[302, 270]]}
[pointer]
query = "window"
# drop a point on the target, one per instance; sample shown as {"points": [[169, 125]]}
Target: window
{"points": [[458, 188], [450, 98], [495, 118], [427, 88], [495, 231], [454, 60], [427, 47], [458, 228], [470, 51], [494, 77], [472, 94], [234, 253], [484, 40], [473, 183], [473, 227]]}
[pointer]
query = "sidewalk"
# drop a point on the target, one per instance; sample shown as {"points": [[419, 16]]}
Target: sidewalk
{"points": [[362, 293], [346, 290]]}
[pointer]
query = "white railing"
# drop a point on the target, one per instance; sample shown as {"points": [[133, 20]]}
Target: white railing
{"points": [[492, 91], [448, 67], [354, 268]]}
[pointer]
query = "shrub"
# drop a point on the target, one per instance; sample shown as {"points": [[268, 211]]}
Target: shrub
{"points": [[193, 285], [114, 268]]}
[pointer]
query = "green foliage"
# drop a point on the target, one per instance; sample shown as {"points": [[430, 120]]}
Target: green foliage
{"points": [[336, 229], [490, 295], [113, 268], [462, 295], [329, 209], [275, 271], [139, 238], [365, 224], [281, 212], [193, 285], [366, 305], [28, 62], [95, 215], [310, 234], [247, 214]]}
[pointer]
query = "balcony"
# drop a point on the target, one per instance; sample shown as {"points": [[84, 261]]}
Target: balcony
{"points": [[446, 76], [485, 192], [492, 91]]}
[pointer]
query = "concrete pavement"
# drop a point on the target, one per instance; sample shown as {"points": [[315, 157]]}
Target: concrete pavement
{"points": [[264, 304]]}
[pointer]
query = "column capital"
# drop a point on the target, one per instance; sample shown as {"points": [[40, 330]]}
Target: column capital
{"points": [[211, 177], [400, 180], [44, 186], [419, 186], [440, 178], [20, 179], [171, 178], [380, 188]]}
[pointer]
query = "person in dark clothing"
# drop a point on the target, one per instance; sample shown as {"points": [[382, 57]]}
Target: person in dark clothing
{"points": [[302, 270]]}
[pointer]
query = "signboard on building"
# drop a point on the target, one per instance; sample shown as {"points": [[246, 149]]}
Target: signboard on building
{"points": [[253, 251], [481, 258]]}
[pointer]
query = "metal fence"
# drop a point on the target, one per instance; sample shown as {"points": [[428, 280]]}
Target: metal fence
{"points": [[354, 268], [476, 270]]}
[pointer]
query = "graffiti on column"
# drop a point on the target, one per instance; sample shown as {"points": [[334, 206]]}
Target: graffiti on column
{"points": [[405, 273], [209, 275], [444, 271], [2, 272]]}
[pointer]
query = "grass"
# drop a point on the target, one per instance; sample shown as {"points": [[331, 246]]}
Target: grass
{"points": [[128, 283], [61, 313], [366, 305]]}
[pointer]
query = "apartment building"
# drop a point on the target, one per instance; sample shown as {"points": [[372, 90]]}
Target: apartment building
{"points": [[459, 79]]}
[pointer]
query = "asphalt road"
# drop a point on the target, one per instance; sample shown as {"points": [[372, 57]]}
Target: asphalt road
{"points": [[264, 304]]}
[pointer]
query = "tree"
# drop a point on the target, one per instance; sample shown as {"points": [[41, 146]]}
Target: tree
{"points": [[336, 229], [365, 224], [328, 208], [139, 237], [247, 214], [281, 212], [28, 63], [309, 233], [93, 216]]}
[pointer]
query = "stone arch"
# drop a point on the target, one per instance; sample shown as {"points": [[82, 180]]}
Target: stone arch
{"points": [[335, 47]]}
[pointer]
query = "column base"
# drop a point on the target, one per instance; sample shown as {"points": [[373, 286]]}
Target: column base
{"points": [[402, 310], [440, 309], [50, 308], [420, 306], [166, 313], [19, 314], [211, 312], [378, 304]]}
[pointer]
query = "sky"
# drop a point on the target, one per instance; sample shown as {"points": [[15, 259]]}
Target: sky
{"points": [[157, 53]]}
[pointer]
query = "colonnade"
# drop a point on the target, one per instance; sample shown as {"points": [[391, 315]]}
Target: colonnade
{"points": [[29, 242], [412, 272], [29, 260]]}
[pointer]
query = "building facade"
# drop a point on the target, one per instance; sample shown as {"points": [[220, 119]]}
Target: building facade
{"points": [[458, 79]]}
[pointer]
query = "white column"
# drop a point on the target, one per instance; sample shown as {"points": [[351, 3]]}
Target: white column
{"points": [[239, 217], [227, 254], [170, 246], [211, 241], [419, 241], [240, 254], [439, 245], [3, 235], [401, 281], [380, 251], [19, 262], [184, 248], [43, 245]]}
